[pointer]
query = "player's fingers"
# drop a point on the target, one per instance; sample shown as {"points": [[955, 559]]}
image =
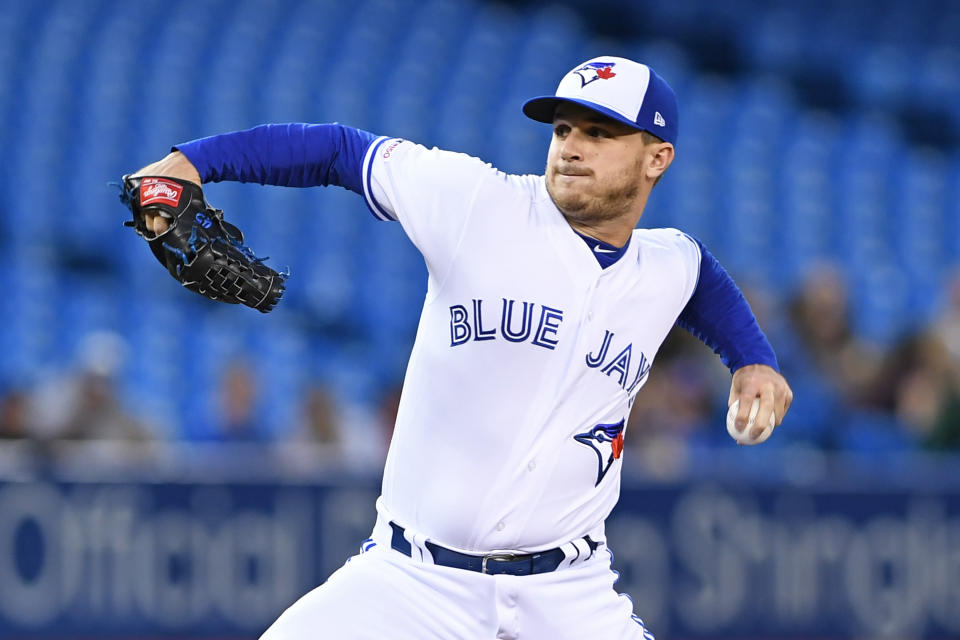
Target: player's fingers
{"points": [[155, 222], [788, 400], [767, 406], [743, 414], [780, 403], [734, 394], [784, 397], [764, 434]]}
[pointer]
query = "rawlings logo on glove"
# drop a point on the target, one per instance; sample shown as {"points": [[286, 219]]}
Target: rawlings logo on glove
{"points": [[200, 249], [159, 190]]}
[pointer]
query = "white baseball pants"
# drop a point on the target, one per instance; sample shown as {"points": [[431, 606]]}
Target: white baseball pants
{"points": [[382, 594]]}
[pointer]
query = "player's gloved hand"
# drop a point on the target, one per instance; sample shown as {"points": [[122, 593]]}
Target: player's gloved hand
{"points": [[174, 165], [759, 381], [190, 238]]}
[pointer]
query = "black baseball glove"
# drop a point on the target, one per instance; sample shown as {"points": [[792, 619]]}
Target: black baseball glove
{"points": [[200, 249]]}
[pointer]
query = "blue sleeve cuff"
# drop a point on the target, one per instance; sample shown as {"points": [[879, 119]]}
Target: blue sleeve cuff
{"points": [[288, 155], [719, 315]]}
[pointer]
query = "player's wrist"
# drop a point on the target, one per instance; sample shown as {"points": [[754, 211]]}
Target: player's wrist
{"points": [[174, 165]]}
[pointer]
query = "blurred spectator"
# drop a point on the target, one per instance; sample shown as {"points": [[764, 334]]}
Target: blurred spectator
{"points": [[920, 385], [367, 429], [946, 431], [96, 413], [238, 404], [21, 455], [947, 326], [387, 412], [316, 445], [335, 435], [831, 370], [14, 406], [820, 317], [676, 407], [320, 418], [84, 405]]}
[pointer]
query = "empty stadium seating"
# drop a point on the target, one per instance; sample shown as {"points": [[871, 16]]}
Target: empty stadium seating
{"points": [[771, 183]]}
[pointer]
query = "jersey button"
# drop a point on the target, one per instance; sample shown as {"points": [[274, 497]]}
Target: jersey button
{"points": [[590, 316], [500, 526], [531, 465]]}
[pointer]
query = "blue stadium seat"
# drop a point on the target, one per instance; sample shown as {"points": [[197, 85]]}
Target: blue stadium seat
{"points": [[883, 76], [777, 40], [277, 355], [882, 312], [668, 59], [350, 371], [936, 82], [693, 206]]}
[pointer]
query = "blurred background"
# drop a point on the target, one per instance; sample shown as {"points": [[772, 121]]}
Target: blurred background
{"points": [[171, 467]]}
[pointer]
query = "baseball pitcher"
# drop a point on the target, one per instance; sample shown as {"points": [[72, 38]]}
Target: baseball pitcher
{"points": [[544, 311]]}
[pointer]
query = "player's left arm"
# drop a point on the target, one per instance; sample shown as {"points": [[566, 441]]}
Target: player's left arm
{"points": [[293, 154], [719, 315], [289, 155]]}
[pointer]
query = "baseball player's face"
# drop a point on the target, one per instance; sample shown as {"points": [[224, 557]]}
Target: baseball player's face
{"points": [[594, 166]]}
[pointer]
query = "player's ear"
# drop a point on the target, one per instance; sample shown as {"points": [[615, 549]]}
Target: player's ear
{"points": [[658, 158]]}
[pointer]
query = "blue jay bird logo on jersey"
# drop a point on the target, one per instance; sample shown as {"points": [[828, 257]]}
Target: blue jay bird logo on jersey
{"points": [[593, 71], [606, 440]]}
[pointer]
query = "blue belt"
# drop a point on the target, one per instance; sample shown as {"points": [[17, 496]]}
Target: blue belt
{"points": [[514, 564]]}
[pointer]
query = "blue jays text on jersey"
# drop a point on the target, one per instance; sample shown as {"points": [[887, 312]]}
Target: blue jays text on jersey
{"points": [[465, 326], [620, 364], [516, 324]]}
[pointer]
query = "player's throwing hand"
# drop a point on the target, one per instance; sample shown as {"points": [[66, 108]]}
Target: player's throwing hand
{"points": [[763, 382]]}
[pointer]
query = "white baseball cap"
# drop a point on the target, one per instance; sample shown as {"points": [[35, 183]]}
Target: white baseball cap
{"points": [[622, 89]]}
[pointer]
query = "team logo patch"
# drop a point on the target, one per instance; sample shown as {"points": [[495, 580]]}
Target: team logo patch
{"points": [[606, 440], [593, 71], [159, 191]]}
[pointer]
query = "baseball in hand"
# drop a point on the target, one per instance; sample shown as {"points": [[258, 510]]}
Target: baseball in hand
{"points": [[743, 437]]}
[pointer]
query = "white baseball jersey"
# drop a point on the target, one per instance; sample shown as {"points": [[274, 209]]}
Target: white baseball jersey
{"points": [[527, 357]]}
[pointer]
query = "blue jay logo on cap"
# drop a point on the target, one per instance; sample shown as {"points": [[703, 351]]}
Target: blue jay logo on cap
{"points": [[595, 71]]}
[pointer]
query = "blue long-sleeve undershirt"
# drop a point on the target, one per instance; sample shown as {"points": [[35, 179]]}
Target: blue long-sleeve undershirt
{"points": [[288, 155], [719, 315], [309, 155]]}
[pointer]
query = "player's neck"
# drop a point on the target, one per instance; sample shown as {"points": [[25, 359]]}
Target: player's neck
{"points": [[615, 231], [617, 236]]}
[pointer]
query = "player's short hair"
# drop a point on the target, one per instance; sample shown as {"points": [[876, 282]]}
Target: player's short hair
{"points": [[649, 138]]}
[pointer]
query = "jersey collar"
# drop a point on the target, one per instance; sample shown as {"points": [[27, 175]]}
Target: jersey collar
{"points": [[605, 253]]}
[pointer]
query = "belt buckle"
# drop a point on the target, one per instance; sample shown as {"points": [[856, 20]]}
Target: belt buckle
{"points": [[497, 557]]}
